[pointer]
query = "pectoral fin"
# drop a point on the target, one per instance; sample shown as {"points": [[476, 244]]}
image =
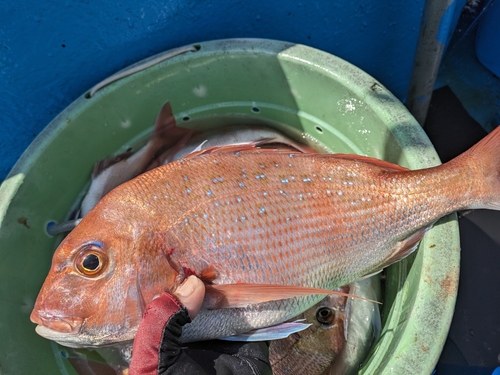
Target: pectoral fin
{"points": [[277, 332], [244, 294]]}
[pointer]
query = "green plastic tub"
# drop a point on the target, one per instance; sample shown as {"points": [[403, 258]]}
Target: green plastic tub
{"points": [[303, 92]]}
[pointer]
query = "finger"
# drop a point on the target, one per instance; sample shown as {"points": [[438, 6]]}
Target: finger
{"points": [[190, 294]]}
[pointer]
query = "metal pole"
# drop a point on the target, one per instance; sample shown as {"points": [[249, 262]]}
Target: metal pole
{"points": [[434, 29]]}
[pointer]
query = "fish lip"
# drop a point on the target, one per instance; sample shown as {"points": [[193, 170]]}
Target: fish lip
{"points": [[72, 340], [66, 339], [65, 325]]}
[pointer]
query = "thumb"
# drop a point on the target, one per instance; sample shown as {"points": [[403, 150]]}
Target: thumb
{"points": [[190, 294]]}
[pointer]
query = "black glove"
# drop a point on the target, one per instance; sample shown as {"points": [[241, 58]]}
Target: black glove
{"points": [[157, 349]]}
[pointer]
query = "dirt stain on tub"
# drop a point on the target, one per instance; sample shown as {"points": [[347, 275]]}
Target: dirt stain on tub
{"points": [[449, 284], [24, 221]]}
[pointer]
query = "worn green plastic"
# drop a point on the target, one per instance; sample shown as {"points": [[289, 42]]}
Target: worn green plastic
{"points": [[301, 91]]}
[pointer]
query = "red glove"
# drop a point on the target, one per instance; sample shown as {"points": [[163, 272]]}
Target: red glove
{"points": [[156, 344], [158, 350]]}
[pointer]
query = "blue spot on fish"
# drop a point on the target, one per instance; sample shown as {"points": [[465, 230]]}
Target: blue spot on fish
{"points": [[285, 181], [241, 184], [209, 193], [186, 178], [307, 179], [262, 210]]}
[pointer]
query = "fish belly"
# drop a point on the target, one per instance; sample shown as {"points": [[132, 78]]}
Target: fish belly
{"points": [[212, 324]]}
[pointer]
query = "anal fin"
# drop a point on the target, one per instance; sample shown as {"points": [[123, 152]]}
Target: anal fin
{"points": [[277, 332], [405, 247]]}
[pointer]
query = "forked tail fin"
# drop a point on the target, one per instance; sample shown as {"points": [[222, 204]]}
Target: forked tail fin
{"points": [[482, 162]]}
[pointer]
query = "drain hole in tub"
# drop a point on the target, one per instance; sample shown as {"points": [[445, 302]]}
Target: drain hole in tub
{"points": [[49, 224], [319, 130], [186, 118], [197, 47], [255, 109]]}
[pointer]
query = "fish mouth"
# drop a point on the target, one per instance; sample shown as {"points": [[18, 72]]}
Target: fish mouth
{"points": [[72, 340], [62, 325]]}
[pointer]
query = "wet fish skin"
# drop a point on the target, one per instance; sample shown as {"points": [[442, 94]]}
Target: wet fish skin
{"points": [[362, 327], [254, 217], [111, 172], [342, 332], [312, 350]]}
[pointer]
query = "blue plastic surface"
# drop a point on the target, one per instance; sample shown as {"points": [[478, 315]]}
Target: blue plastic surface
{"points": [[488, 38], [51, 52]]}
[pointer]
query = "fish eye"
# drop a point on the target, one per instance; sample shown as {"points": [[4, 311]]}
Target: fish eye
{"points": [[91, 261], [325, 315]]}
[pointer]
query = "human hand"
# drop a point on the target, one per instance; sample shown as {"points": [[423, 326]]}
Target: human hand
{"points": [[158, 350]]}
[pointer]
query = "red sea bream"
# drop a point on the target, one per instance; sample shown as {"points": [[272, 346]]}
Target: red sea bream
{"points": [[236, 216]]}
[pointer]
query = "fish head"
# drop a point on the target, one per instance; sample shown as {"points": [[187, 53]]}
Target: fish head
{"points": [[316, 347], [95, 294], [326, 334]]}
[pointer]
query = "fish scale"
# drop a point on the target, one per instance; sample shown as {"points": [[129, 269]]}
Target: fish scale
{"points": [[306, 221], [251, 216], [310, 220]]}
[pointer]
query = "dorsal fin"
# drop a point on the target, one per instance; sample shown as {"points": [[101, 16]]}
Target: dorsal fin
{"points": [[166, 132], [244, 294], [251, 146], [391, 167]]}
